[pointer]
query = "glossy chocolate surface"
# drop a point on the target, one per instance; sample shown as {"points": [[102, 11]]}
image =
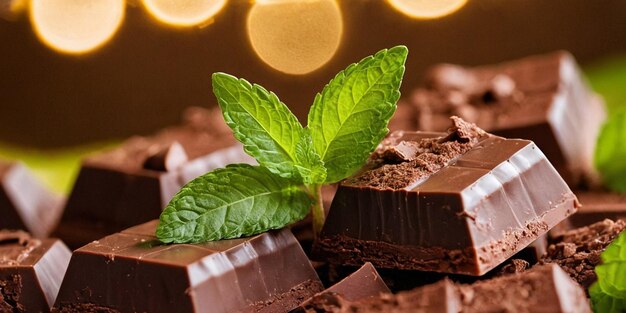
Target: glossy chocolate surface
{"points": [[131, 184], [466, 218], [25, 203], [132, 271], [31, 271], [541, 98]]}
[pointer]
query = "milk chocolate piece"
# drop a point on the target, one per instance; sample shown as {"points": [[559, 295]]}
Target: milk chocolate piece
{"points": [[578, 251], [31, 271], [468, 202], [132, 271], [542, 289], [131, 184], [596, 206], [25, 203], [541, 98], [364, 283]]}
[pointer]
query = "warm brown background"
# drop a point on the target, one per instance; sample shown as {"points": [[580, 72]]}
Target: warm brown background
{"points": [[149, 73]]}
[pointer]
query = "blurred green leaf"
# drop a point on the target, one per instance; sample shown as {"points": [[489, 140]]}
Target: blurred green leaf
{"points": [[610, 154]]}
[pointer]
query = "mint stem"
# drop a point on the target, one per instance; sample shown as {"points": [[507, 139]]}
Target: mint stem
{"points": [[317, 210]]}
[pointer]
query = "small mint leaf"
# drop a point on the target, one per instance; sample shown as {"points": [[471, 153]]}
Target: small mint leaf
{"points": [[601, 302], [311, 167], [608, 294], [349, 117], [611, 152], [239, 200], [259, 120]]}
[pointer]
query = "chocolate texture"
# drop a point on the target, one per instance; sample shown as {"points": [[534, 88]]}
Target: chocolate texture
{"points": [[596, 206], [132, 271], [578, 250], [31, 271], [466, 202], [131, 184], [541, 98], [25, 203]]}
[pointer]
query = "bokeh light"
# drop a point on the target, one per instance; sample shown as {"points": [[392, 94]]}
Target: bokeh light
{"points": [[76, 26], [184, 13], [295, 36], [427, 9]]}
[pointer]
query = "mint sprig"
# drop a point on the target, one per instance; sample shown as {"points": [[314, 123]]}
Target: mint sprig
{"points": [[348, 119], [611, 152], [608, 294]]}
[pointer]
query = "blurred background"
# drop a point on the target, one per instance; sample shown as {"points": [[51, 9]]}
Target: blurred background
{"points": [[80, 75]]}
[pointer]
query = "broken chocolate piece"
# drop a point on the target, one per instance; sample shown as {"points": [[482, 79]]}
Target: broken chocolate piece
{"points": [[464, 205], [31, 271], [596, 206], [364, 283], [541, 98], [578, 251], [131, 184], [132, 271], [25, 203]]}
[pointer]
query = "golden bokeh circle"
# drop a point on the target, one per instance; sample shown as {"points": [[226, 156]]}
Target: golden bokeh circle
{"points": [[76, 26], [427, 9], [184, 13], [295, 36]]}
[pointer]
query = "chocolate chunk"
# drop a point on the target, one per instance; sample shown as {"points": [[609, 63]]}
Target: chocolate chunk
{"points": [[596, 206], [131, 184], [514, 266], [464, 208], [541, 98], [578, 250], [132, 271], [541, 289], [364, 283], [31, 271], [25, 203], [535, 251]]}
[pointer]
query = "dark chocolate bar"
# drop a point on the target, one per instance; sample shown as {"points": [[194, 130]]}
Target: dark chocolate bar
{"points": [[131, 184], [461, 202], [578, 250], [132, 271], [541, 98], [25, 203], [31, 271], [364, 283], [541, 289]]}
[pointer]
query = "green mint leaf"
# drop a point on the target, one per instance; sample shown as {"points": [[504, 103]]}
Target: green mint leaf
{"points": [[349, 117], [265, 126], [608, 294], [611, 152], [239, 200], [310, 164]]}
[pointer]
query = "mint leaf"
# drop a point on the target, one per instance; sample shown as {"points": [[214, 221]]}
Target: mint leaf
{"points": [[608, 294], [611, 152], [265, 126], [349, 117], [310, 164], [239, 200]]}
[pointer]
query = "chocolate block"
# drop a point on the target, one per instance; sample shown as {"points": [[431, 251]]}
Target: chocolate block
{"points": [[542, 289], [596, 206], [25, 203], [578, 251], [31, 271], [364, 283], [131, 184], [132, 271], [463, 203], [541, 98]]}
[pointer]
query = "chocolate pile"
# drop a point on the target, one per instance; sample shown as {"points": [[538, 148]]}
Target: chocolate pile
{"points": [[444, 217]]}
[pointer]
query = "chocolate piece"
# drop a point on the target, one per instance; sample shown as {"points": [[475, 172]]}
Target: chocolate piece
{"points": [[578, 251], [364, 283], [534, 251], [132, 271], [25, 203], [541, 289], [464, 205], [31, 271], [596, 206], [131, 184], [541, 98]]}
